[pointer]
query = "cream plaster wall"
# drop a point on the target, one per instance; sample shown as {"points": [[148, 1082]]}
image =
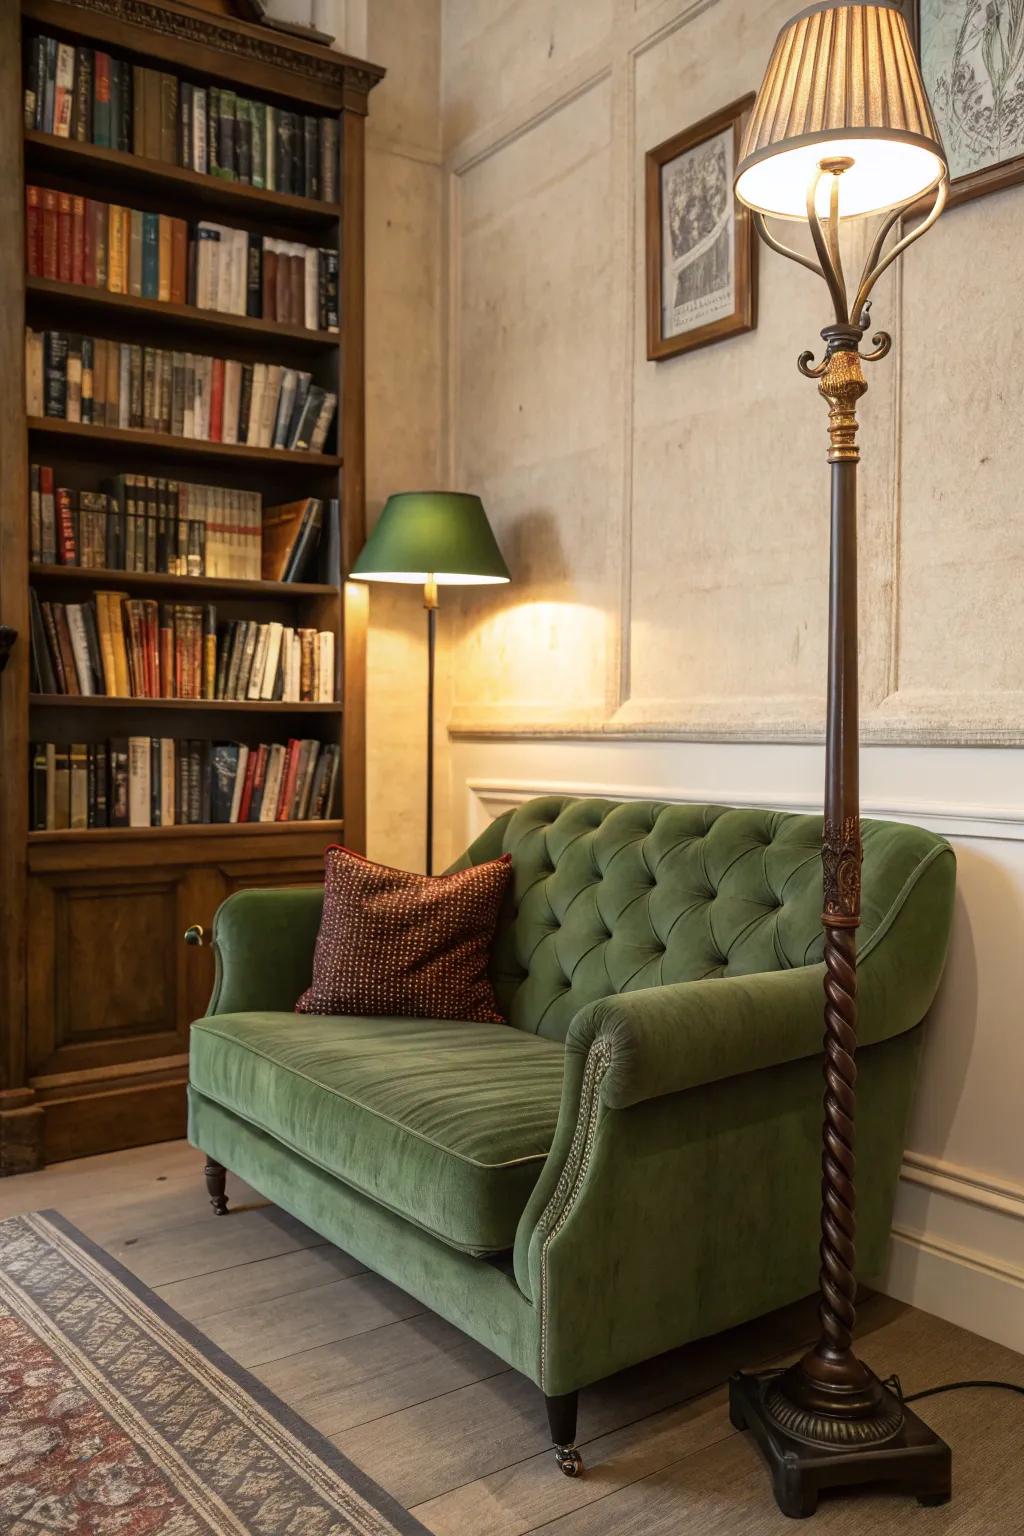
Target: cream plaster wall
{"points": [[666, 525], [404, 187]]}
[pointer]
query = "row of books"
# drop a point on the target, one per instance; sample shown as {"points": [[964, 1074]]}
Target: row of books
{"points": [[75, 239], [115, 646], [97, 98], [208, 399], [158, 781], [145, 523]]}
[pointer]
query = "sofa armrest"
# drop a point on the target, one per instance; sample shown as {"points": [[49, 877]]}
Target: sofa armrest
{"points": [[263, 942], [662, 1040]]}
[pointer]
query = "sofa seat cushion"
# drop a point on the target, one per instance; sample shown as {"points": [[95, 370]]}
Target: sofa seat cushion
{"points": [[445, 1122]]}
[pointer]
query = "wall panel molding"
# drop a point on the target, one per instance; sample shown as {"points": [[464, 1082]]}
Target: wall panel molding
{"points": [[488, 798]]}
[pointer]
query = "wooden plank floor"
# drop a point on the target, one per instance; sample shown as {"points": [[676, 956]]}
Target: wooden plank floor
{"points": [[462, 1440]]}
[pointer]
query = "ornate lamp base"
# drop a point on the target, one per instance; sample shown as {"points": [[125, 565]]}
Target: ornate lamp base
{"points": [[892, 1446]]}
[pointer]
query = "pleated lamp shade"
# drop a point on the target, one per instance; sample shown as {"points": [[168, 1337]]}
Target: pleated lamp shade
{"points": [[842, 81]]}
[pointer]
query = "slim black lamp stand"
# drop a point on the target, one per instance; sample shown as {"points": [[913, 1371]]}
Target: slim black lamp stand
{"points": [[430, 604], [433, 539], [840, 118]]}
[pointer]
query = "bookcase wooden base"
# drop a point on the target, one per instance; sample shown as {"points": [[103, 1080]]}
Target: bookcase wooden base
{"points": [[21, 1132]]}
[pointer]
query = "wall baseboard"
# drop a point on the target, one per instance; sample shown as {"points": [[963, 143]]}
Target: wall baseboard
{"points": [[972, 1289], [957, 1246]]}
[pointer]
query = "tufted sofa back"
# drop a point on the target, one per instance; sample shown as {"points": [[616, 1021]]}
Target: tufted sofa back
{"points": [[607, 897]]}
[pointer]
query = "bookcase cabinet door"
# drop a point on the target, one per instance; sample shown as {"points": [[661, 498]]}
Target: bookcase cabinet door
{"points": [[113, 988], [104, 987]]}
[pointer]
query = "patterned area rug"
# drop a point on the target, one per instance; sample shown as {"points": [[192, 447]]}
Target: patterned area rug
{"points": [[117, 1418]]}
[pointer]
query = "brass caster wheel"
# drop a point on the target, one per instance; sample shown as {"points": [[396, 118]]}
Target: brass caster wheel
{"points": [[569, 1460]]}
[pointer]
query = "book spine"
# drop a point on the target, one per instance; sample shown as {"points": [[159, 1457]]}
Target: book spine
{"points": [[117, 791], [34, 231], [35, 522], [329, 159], [179, 261], [87, 381], [258, 115], [168, 119], [323, 424], [185, 129], [101, 100], [311, 157], [47, 516], [49, 78], [63, 91], [73, 394], [226, 123], [64, 236], [200, 151], [254, 275], [55, 358], [124, 125], [163, 292], [82, 126], [139, 788], [77, 239], [32, 82], [34, 385], [243, 140], [49, 236], [209, 651]]}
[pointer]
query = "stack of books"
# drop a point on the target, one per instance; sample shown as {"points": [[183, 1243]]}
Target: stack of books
{"points": [[210, 399], [97, 98], [75, 239], [148, 523], [115, 646], [157, 781]]}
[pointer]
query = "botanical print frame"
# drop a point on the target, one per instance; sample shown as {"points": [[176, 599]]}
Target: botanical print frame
{"points": [[972, 63], [701, 243]]}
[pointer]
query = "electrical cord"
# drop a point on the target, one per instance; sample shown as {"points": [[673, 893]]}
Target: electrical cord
{"points": [[957, 1386]]}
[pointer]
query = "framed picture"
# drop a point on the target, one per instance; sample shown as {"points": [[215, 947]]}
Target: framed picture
{"points": [[701, 243], [972, 62]]}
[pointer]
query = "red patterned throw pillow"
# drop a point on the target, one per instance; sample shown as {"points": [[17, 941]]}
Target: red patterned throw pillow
{"points": [[397, 945]]}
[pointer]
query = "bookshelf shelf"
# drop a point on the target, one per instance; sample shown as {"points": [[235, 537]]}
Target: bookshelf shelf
{"points": [[89, 305], [187, 189], [51, 428], [179, 706], [212, 829], [152, 582]]}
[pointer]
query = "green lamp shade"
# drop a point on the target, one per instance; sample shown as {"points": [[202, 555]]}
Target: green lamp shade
{"points": [[439, 534]]}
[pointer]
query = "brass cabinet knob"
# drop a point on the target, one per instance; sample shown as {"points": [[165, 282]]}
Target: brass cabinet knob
{"points": [[195, 934]]}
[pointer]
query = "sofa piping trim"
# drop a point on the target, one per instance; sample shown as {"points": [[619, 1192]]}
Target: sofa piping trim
{"points": [[571, 1180], [472, 1250]]}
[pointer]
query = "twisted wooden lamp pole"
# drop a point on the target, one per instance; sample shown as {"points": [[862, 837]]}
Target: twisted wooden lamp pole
{"points": [[823, 109]]}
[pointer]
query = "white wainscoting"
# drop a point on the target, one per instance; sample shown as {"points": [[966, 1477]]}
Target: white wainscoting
{"points": [[958, 1229]]}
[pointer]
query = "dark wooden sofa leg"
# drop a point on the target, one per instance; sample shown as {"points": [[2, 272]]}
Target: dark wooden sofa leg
{"points": [[216, 1179], [562, 1420]]}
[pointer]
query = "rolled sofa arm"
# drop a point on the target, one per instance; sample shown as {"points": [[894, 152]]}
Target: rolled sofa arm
{"points": [[664, 1040], [263, 942], [660, 1040]]}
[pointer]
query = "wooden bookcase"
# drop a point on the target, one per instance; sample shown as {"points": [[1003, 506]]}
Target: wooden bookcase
{"points": [[96, 986]]}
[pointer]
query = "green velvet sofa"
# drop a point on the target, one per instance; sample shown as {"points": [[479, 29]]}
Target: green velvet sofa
{"points": [[632, 1161]]}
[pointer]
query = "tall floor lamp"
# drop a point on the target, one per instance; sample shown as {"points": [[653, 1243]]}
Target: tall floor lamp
{"points": [[437, 539], [841, 129]]}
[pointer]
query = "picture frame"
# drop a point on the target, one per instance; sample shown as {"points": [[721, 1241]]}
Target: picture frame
{"points": [[701, 245], [971, 54]]}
